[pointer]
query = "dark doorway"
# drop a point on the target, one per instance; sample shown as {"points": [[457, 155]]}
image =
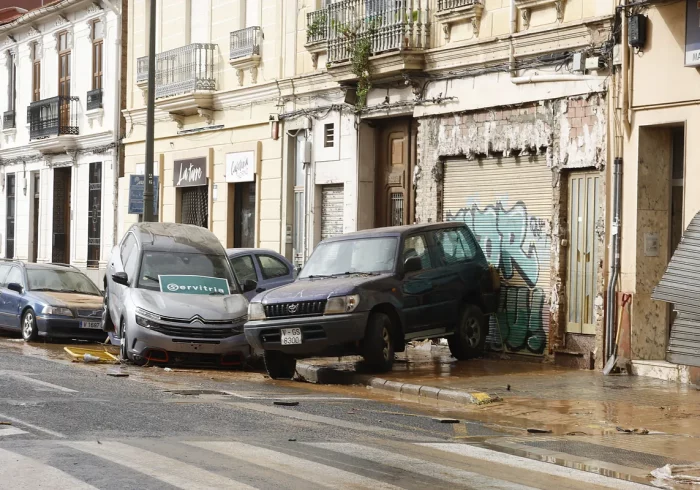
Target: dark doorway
{"points": [[393, 172], [36, 181], [10, 218], [195, 206], [61, 215], [244, 215]]}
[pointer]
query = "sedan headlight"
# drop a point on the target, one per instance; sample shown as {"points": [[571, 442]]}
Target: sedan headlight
{"points": [[56, 311], [342, 304], [256, 312]]}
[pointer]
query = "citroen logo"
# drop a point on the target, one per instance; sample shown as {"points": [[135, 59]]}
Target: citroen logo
{"points": [[292, 308]]}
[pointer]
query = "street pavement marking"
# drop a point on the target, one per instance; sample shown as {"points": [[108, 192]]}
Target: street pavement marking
{"points": [[496, 457], [23, 377], [19, 472], [32, 426], [320, 419], [320, 474], [415, 465], [168, 470], [11, 431]]}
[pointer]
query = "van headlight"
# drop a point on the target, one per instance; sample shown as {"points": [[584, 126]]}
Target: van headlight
{"points": [[342, 304], [256, 312]]}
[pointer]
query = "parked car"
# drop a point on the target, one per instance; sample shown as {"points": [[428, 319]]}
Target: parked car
{"points": [[170, 295], [372, 291], [266, 268], [49, 300]]}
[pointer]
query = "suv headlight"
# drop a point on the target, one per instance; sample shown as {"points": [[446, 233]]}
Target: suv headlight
{"points": [[145, 318], [256, 312], [56, 311], [342, 304]]}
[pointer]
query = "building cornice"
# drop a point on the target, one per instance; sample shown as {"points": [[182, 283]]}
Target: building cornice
{"points": [[39, 13]]}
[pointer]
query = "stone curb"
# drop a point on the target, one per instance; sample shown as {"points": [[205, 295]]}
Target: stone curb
{"points": [[325, 375]]}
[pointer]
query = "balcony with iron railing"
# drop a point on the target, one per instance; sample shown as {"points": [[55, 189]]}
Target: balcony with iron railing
{"points": [[57, 116], [8, 120], [185, 75], [452, 11], [317, 27], [245, 52]]}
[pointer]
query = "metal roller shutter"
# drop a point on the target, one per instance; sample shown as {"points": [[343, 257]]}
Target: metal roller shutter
{"points": [[507, 203], [332, 201]]}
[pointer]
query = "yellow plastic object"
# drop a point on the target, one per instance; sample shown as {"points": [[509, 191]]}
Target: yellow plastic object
{"points": [[78, 354]]}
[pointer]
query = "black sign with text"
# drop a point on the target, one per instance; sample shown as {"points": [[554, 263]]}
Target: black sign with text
{"points": [[191, 172]]}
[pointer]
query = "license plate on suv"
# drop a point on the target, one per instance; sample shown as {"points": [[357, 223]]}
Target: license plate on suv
{"points": [[290, 336], [91, 325]]}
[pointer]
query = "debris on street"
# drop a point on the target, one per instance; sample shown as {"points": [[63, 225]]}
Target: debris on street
{"points": [[286, 404], [632, 431], [5, 423], [80, 354], [117, 374], [678, 473], [446, 421], [539, 431]]}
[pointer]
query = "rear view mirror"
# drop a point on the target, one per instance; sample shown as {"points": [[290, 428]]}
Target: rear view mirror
{"points": [[121, 278], [412, 264], [17, 288]]}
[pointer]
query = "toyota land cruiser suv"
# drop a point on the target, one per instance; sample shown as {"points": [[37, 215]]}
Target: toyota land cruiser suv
{"points": [[372, 291]]}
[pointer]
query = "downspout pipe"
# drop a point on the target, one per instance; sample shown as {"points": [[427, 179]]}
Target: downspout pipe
{"points": [[615, 262], [625, 110]]}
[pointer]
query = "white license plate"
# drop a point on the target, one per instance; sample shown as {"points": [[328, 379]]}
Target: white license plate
{"points": [[91, 325], [290, 336]]}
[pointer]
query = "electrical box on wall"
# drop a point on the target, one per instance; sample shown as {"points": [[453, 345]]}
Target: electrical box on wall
{"points": [[306, 152], [637, 30], [579, 62]]}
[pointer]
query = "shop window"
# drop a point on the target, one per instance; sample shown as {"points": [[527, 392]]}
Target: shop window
{"points": [[94, 214]]}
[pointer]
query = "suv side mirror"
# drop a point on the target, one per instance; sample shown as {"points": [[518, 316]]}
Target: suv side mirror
{"points": [[249, 285], [17, 288], [121, 278], [412, 264]]}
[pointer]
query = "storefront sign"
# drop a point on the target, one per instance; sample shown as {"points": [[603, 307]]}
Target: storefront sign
{"points": [[191, 172], [193, 285], [240, 167], [137, 183], [692, 33]]}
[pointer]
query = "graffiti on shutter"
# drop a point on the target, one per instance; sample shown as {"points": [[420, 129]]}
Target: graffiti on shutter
{"points": [[332, 199]]}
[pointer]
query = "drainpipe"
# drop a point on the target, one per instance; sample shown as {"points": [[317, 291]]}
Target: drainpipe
{"points": [[513, 30], [615, 262], [117, 120], [625, 69]]}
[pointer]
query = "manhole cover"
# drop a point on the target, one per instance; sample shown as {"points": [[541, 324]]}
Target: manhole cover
{"points": [[198, 392]]}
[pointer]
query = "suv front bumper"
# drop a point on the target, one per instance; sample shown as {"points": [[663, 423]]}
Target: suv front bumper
{"points": [[320, 334]]}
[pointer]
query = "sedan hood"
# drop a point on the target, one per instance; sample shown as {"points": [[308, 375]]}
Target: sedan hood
{"points": [[318, 289], [68, 300], [185, 306]]}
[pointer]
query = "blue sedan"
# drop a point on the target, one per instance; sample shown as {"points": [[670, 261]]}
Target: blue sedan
{"points": [[49, 300], [265, 268]]}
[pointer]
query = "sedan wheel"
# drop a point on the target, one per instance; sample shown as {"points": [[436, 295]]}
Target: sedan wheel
{"points": [[29, 330]]}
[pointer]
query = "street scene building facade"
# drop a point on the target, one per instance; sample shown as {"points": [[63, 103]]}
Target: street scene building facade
{"points": [[59, 146]]}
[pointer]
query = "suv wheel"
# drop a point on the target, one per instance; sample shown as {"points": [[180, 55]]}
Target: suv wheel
{"points": [[378, 345], [279, 365], [124, 347], [469, 338], [29, 330]]}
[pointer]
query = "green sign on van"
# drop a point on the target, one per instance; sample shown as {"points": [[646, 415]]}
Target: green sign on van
{"points": [[193, 285]]}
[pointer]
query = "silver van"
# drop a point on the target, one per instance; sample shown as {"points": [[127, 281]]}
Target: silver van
{"points": [[171, 296]]}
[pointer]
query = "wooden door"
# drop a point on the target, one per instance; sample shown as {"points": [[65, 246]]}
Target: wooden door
{"points": [[393, 173]]}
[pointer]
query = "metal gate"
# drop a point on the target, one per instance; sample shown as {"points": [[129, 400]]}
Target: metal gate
{"points": [[332, 200], [507, 203]]}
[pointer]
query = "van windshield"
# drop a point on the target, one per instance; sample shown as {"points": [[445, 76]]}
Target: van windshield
{"points": [[155, 264], [355, 256]]}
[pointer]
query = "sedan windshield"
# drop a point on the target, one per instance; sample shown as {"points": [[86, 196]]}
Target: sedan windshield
{"points": [[156, 264], [64, 281], [364, 255]]}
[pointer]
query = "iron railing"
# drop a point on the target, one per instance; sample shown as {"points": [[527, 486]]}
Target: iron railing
{"points": [[94, 99], [53, 117], [390, 25], [455, 4], [246, 42], [8, 120], [317, 26], [182, 70]]}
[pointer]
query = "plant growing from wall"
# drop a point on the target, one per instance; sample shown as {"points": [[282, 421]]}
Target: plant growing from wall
{"points": [[317, 27], [361, 51]]}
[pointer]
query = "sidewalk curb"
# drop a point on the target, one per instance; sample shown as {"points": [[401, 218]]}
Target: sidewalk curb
{"points": [[329, 376]]}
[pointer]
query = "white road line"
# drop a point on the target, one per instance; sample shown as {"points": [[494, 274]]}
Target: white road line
{"points": [[532, 465], [32, 426], [11, 431], [320, 474], [24, 377], [415, 465], [18, 472], [168, 470], [320, 419]]}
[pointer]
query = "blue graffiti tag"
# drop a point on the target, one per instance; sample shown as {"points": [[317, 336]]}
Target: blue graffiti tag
{"points": [[503, 236]]}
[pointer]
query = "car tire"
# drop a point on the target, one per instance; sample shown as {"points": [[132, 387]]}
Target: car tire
{"points": [[378, 344], [279, 365], [29, 328], [469, 338], [124, 347]]}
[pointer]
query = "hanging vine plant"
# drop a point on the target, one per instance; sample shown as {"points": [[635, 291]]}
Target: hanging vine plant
{"points": [[362, 48]]}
